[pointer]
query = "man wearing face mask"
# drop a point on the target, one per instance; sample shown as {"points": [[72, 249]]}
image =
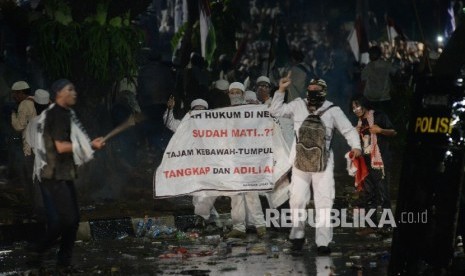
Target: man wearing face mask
{"points": [[322, 182], [245, 207], [236, 93]]}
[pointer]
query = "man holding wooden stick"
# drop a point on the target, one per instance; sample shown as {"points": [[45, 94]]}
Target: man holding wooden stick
{"points": [[60, 144]]}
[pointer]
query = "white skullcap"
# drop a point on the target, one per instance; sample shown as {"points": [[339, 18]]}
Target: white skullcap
{"points": [[250, 96], [237, 85], [221, 84], [200, 102], [263, 79], [20, 85], [127, 85], [222, 57], [42, 96]]}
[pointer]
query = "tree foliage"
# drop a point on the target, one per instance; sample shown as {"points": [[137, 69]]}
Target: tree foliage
{"points": [[97, 48], [57, 39]]}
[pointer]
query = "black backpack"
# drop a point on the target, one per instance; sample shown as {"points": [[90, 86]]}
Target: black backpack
{"points": [[311, 152]]}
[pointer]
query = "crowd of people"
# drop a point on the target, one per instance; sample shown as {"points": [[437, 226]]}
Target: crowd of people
{"points": [[365, 139], [284, 76], [63, 139]]}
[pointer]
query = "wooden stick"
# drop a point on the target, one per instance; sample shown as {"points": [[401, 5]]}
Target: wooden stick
{"points": [[130, 122]]}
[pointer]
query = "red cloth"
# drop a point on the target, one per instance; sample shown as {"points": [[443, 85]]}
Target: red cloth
{"points": [[362, 170]]}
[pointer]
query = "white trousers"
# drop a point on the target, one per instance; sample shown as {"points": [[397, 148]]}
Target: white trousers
{"points": [[324, 192], [323, 265], [246, 208], [204, 206]]}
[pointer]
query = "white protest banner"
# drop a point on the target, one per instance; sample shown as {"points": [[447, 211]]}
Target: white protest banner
{"points": [[223, 151]]}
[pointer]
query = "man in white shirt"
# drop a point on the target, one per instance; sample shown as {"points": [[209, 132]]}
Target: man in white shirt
{"points": [[19, 121], [26, 111], [245, 207], [322, 182]]}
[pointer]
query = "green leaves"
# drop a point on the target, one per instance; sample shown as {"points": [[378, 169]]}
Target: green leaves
{"points": [[104, 48], [96, 46], [57, 42]]}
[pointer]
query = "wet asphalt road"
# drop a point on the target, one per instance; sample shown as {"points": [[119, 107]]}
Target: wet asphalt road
{"points": [[208, 255]]}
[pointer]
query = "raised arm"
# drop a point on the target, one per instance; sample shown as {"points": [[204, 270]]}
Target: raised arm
{"points": [[168, 117], [278, 108]]}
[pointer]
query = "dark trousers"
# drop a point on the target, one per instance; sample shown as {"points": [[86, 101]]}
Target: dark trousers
{"points": [[26, 173], [375, 190], [32, 188], [62, 217]]}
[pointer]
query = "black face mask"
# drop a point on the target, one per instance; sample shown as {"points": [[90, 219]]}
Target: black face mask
{"points": [[315, 99]]}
